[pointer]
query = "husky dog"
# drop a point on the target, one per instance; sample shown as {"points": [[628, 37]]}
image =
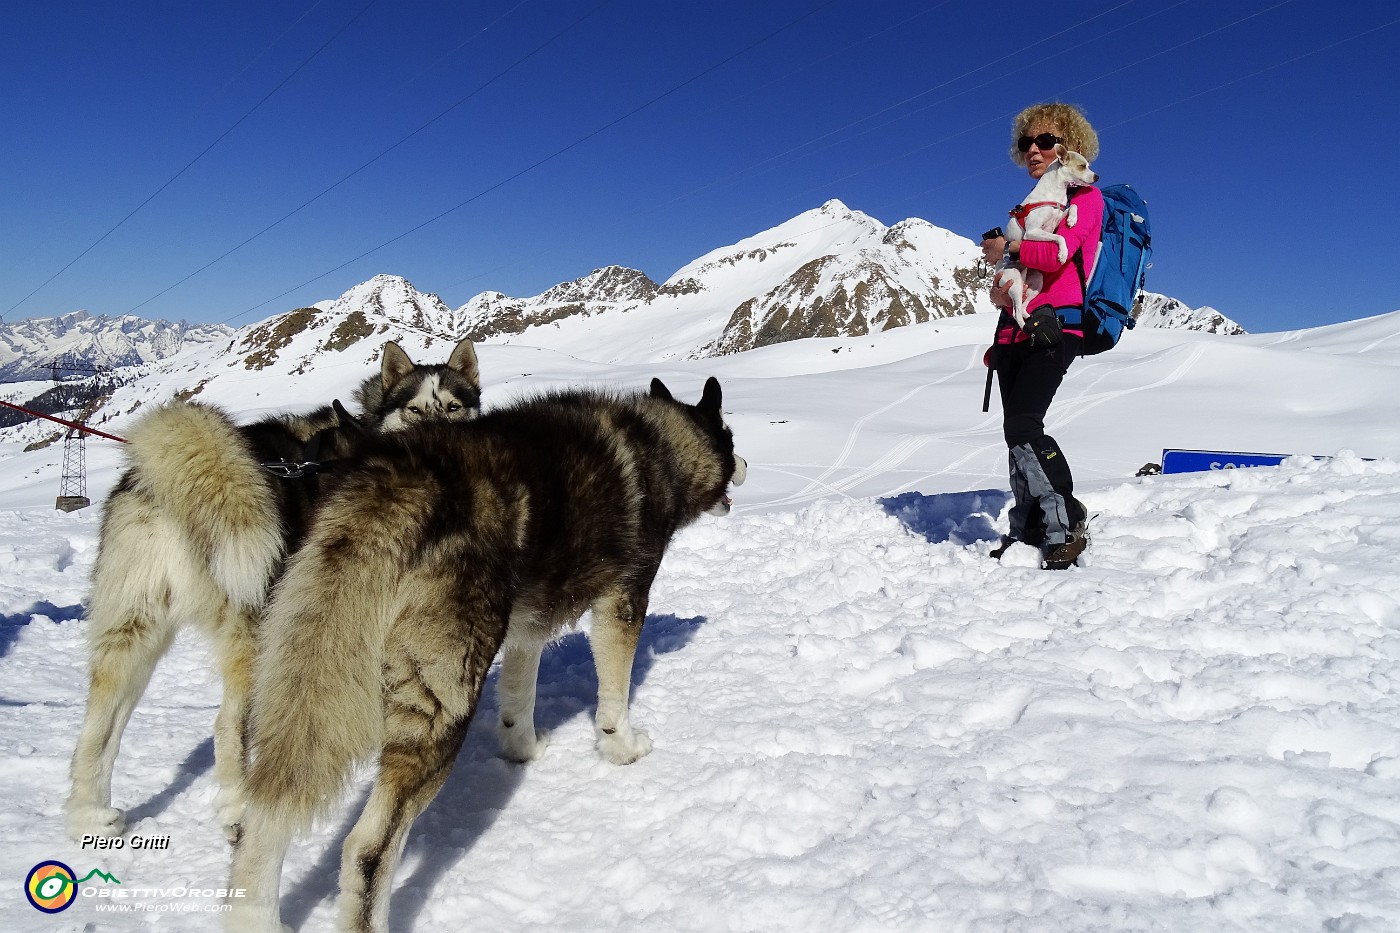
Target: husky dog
{"points": [[196, 530], [439, 548], [1037, 217], [407, 393]]}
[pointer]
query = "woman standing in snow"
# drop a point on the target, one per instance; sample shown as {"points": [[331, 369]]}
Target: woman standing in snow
{"points": [[1031, 361]]}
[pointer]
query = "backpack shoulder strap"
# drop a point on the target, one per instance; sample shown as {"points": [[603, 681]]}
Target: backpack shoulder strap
{"points": [[1079, 253], [1078, 260]]}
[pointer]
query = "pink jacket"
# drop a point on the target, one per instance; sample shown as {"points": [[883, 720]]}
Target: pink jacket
{"points": [[1062, 288]]}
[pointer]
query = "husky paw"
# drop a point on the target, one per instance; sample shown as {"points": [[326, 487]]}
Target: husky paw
{"points": [[624, 745], [521, 743], [93, 820]]}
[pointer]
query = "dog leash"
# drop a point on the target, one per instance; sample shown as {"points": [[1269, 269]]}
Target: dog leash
{"points": [[293, 469], [67, 424], [289, 469]]}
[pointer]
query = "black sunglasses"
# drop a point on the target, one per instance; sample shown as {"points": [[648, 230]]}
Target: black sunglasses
{"points": [[1044, 142]]}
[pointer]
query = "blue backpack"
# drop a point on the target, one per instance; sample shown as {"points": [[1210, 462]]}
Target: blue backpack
{"points": [[1124, 257]]}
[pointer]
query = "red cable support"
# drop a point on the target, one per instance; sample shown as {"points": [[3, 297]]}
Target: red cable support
{"points": [[68, 424]]}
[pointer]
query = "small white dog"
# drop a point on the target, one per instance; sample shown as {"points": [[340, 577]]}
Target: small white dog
{"points": [[1036, 218]]}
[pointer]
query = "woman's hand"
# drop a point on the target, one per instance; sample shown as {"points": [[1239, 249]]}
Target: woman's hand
{"points": [[993, 249], [1001, 295]]}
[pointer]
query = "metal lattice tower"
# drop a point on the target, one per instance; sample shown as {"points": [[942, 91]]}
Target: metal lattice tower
{"points": [[72, 492]]}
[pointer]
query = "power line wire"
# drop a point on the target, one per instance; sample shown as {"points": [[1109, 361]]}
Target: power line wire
{"points": [[305, 204], [1019, 52], [461, 45], [1009, 56], [543, 161], [1135, 64], [261, 55], [152, 196], [1130, 119]]}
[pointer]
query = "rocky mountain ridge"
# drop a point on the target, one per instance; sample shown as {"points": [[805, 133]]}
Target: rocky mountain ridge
{"points": [[827, 272]]}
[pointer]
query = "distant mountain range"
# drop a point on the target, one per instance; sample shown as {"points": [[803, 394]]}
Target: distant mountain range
{"points": [[827, 272], [35, 347]]}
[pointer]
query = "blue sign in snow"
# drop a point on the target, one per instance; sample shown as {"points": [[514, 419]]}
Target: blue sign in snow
{"points": [[1198, 461]]}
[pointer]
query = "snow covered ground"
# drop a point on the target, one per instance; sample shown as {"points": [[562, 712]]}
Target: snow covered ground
{"points": [[861, 721]]}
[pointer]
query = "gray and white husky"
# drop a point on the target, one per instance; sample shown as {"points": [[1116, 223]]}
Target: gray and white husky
{"points": [[197, 529], [437, 549], [407, 392]]}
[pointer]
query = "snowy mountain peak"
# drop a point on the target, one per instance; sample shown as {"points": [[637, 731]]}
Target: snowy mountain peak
{"points": [[837, 209], [395, 296], [609, 289], [611, 283], [828, 271], [368, 310], [1156, 310]]}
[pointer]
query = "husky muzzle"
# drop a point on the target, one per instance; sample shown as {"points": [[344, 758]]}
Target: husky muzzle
{"points": [[741, 473]]}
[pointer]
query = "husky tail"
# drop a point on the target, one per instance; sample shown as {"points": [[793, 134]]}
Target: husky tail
{"points": [[317, 693], [196, 463]]}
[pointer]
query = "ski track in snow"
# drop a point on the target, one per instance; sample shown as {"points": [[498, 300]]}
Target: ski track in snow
{"points": [[861, 723], [1086, 399], [819, 483], [892, 456]]}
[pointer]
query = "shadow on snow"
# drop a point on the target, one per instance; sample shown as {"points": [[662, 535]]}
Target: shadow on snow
{"points": [[11, 624], [482, 783], [197, 762], [959, 518]]}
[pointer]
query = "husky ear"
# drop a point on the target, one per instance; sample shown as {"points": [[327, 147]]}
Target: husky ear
{"points": [[463, 360], [346, 420], [659, 390], [395, 365], [710, 399]]}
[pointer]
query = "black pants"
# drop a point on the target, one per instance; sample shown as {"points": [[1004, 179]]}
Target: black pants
{"points": [[1045, 510]]}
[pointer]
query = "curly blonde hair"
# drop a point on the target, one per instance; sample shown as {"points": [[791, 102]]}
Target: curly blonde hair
{"points": [[1070, 124]]}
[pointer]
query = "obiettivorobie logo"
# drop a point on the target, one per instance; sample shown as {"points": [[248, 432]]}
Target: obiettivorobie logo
{"points": [[52, 886]]}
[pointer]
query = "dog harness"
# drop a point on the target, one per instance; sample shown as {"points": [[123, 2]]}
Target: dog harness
{"points": [[295, 469], [1021, 211]]}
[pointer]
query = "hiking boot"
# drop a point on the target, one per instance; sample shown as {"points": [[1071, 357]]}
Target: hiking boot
{"points": [[1064, 556]]}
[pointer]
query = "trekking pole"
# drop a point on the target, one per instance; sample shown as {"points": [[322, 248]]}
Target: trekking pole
{"points": [[991, 362], [987, 393], [991, 234]]}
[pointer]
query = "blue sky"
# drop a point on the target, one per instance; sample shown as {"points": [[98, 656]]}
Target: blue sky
{"points": [[510, 145]]}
